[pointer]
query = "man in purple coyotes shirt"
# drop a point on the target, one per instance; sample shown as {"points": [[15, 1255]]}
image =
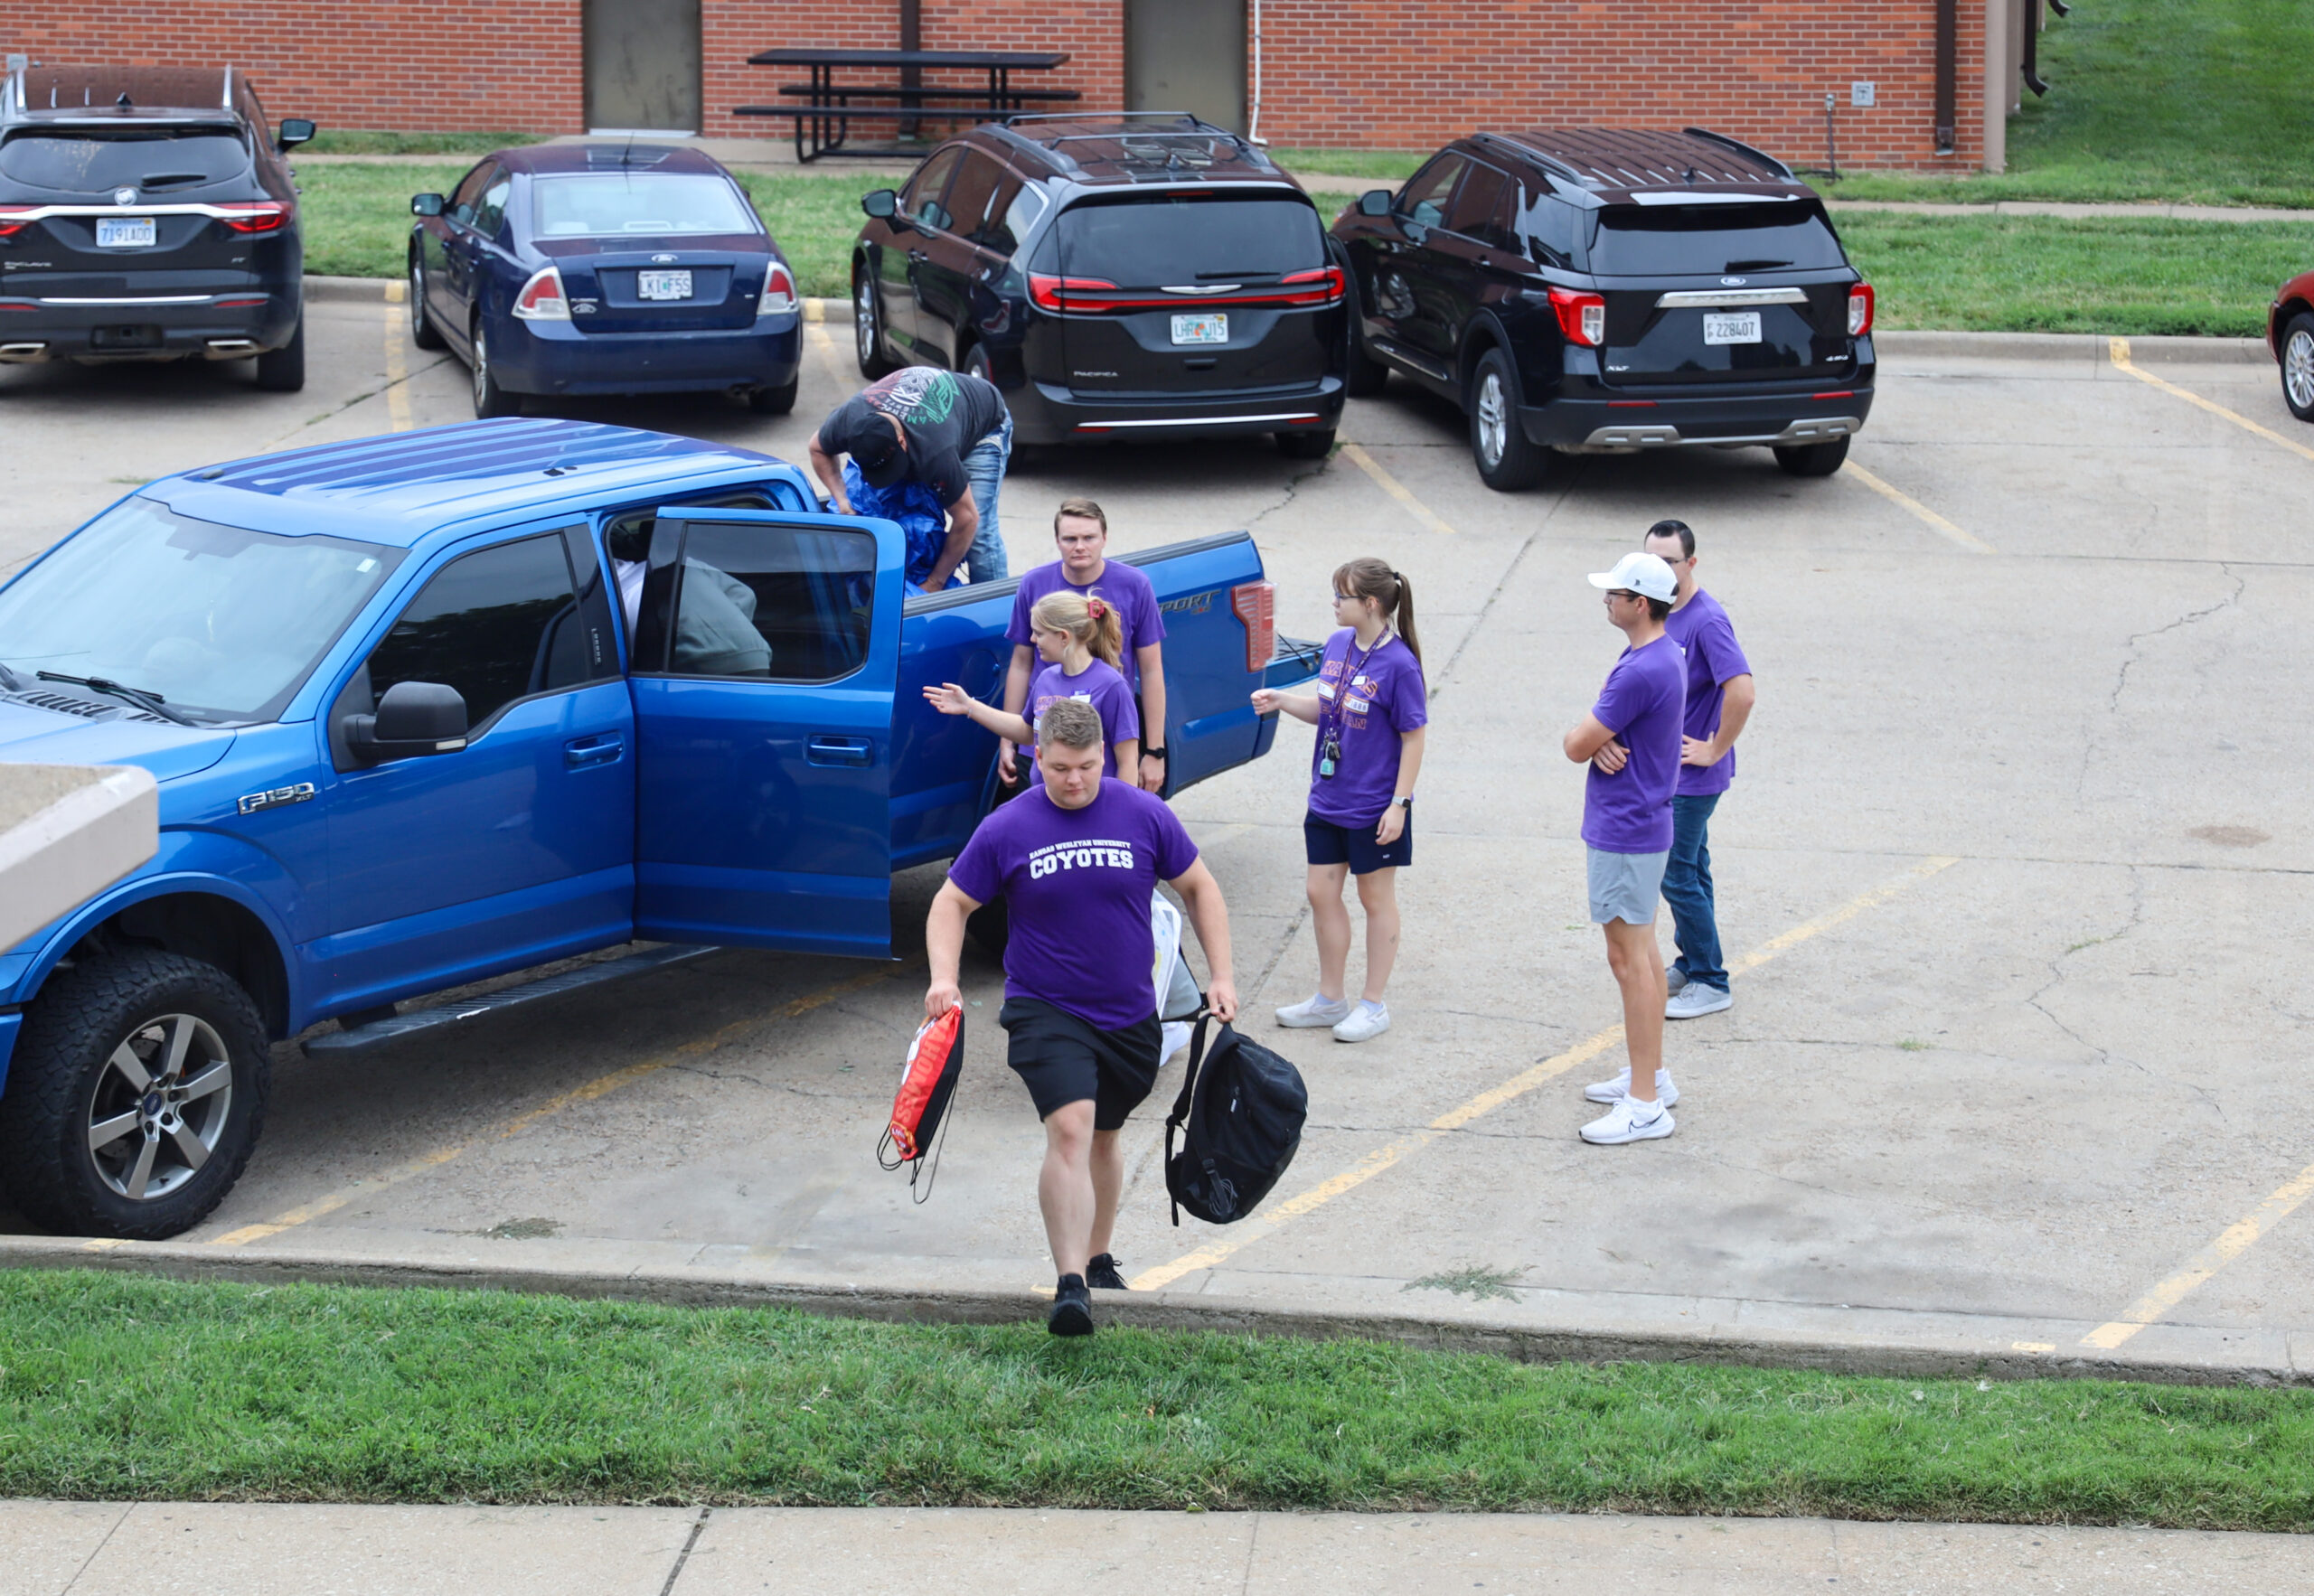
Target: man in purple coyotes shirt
{"points": [[1075, 861], [1080, 530], [1720, 697], [1631, 739]]}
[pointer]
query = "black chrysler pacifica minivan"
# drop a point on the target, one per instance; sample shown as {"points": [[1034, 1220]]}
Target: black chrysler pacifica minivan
{"points": [[1116, 275]]}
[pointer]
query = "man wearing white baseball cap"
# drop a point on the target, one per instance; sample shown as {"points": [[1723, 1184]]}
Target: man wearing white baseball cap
{"points": [[1631, 739]]}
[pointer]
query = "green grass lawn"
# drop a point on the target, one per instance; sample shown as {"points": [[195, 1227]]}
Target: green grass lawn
{"points": [[121, 1386]]}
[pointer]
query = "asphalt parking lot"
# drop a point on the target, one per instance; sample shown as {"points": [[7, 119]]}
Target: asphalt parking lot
{"points": [[2017, 853]]}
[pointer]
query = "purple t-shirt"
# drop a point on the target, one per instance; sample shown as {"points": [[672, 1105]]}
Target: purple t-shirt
{"points": [[1630, 812], [1370, 701], [1076, 882], [1098, 685], [1702, 631], [1121, 584]]}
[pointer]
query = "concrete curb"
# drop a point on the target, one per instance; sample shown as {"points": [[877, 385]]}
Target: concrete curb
{"points": [[1968, 1346], [2094, 348]]}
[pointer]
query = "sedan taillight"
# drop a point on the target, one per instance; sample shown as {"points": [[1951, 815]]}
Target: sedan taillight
{"points": [[778, 292], [1255, 604], [256, 216], [542, 298], [1582, 317], [1859, 310]]}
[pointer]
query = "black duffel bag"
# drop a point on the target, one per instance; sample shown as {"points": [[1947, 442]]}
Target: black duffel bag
{"points": [[1240, 1112]]}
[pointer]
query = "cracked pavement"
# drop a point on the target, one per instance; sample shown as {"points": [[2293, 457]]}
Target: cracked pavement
{"points": [[2028, 1085]]}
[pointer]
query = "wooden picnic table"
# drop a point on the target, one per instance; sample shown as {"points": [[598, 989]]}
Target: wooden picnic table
{"points": [[824, 120]]}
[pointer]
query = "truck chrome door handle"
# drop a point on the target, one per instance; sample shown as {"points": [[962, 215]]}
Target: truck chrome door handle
{"points": [[829, 749], [604, 748]]}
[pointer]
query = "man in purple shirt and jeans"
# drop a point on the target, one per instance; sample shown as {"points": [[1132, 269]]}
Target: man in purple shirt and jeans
{"points": [[1719, 702], [1631, 739]]}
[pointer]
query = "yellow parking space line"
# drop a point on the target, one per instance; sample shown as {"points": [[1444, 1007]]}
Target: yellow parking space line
{"points": [[2234, 1240], [1356, 455], [1246, 1232], [1934, 521], [601, 1087], [844, 377], [397, 359], [2118, 349]]}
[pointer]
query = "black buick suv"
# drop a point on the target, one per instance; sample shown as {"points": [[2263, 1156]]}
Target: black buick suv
{"points": [[1116, 275], [146, 214], [1585, 290]]}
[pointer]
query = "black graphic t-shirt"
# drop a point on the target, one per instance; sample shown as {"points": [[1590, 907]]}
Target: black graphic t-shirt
{"points": [[944, 413]]}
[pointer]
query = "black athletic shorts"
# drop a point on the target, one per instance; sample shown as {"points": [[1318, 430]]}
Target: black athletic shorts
{"points": [[1063, 1059], [1331, 844]]}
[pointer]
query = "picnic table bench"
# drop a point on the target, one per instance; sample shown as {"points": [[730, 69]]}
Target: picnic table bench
{"points": [[829, 107]]}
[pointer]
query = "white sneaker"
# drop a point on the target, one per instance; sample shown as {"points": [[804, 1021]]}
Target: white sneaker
{"points": [[1695, 1000], [1666, 1090], [1674, 978], [1629, 1121], [1319, 1012], [1176, 1036], [1366, 1022]]}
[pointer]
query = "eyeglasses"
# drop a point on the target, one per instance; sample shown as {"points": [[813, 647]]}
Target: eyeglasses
{"points": [[1621, 593]]}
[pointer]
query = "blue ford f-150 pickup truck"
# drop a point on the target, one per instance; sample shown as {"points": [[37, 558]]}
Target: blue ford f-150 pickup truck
{"points": [[407, 738]]}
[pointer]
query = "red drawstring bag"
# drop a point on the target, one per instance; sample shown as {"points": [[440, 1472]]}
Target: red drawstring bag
{"points": [[927, 1081]]}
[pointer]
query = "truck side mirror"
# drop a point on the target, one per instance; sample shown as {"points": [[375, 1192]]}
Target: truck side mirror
{"points": [[1374, 202], [426, 204], [880, 202], [414, 717], [293, 132]]}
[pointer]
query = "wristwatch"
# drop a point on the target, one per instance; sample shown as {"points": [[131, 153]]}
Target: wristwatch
{"points": [[1405, 803], [1153, 753]]}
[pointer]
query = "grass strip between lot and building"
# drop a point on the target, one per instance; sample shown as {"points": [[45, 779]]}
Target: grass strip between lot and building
{"points": [[125, 1386]]}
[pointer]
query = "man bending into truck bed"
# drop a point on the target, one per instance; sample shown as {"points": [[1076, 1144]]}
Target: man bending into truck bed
{"points": [[1076, 863], [947, 431]]}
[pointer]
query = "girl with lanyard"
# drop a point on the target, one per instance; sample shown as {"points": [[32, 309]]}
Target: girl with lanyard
{"points": [[1081, 641], [1369, 710]]}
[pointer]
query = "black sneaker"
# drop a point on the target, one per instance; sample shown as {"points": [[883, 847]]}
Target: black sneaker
{"points": [[1072, 1307], [1102, 1274]]}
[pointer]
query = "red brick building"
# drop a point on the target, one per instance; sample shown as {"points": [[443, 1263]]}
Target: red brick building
{"points": [[1918, 84]]}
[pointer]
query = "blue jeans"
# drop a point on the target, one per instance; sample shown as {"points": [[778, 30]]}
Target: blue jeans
{"points": [[984, 464], [1687, 887]]}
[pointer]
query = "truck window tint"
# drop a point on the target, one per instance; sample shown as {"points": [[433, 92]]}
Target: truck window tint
{"points": [[1423, 201], [162, 159], [776, 602], [1635, 240], [921, 201], [1159, 239], [497, 625], [968, 197]]}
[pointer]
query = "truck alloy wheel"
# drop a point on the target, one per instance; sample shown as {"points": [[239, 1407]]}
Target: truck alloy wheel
{"points": [[135, 1095]]}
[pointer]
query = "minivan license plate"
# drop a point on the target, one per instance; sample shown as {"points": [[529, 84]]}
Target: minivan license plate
{"points": [[676, 285], [1211, 328], [125, 232], [1731, 326]]}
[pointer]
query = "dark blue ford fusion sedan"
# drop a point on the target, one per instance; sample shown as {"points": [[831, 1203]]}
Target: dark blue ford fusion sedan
{"points": [[603, 269]]}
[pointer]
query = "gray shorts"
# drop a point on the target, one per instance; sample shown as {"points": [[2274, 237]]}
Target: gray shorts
{"points": [[1625, 886]]}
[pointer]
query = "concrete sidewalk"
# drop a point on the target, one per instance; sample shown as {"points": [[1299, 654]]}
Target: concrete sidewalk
{"points": [[258, 1549]]}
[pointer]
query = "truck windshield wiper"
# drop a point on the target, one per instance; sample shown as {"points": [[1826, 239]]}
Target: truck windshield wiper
{"points": [[136, 695]]}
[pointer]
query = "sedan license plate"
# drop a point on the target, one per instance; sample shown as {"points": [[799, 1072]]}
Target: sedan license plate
{"points": [[1210, 328], [1731, 326], [676, 285], [125, 232]]}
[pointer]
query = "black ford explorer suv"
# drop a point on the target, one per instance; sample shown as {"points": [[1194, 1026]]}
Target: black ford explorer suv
{"points": [[1596, 290], [1116, 275], [146, 214]]}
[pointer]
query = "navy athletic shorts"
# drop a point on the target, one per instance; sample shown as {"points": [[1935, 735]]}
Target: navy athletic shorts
{"points": [[1331, 844]]}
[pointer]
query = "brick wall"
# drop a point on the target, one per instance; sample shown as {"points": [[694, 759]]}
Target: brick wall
{"points": [[1349, 73]]}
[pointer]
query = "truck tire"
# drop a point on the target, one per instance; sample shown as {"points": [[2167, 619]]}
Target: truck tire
{"points": [[177, 1139], [1506, 459], [282, 370], [1813, 459]]}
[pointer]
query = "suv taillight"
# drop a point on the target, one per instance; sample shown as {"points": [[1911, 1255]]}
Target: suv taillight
{"points": [[542, 298], [778, 292], [1582, 317], [14, 218], [1859, 310], [1048, 292], [255, 216], [1255, 604]]}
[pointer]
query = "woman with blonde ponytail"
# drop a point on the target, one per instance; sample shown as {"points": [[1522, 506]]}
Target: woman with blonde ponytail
{"points": [[1081, 643], [1370, 711]]}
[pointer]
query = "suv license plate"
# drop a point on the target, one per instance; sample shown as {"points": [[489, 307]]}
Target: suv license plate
{"points": [[1213, 328], [676, 285], [125, 232], [1731, 326]]}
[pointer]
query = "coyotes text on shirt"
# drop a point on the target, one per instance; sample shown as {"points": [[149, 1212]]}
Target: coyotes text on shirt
{"points": [[1093, 855]]}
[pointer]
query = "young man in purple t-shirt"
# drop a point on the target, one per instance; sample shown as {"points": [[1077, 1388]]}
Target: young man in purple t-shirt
{"points": [[1719, 703], [1630, 741], [1080, 529], [1075, 862]]}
